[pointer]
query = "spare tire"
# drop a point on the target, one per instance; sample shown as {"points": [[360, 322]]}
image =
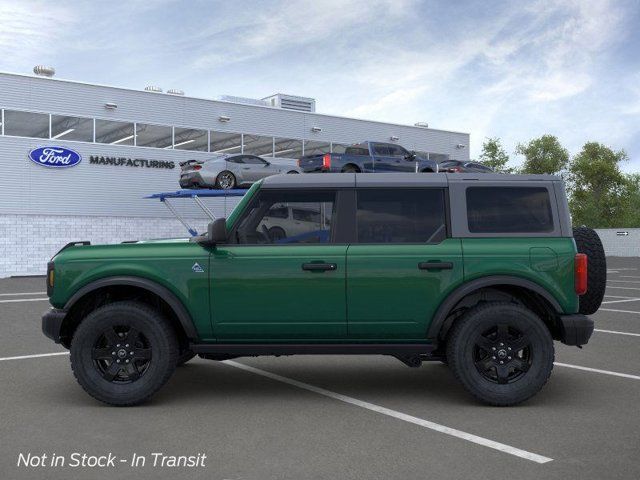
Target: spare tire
{"points": [[588, 242]]}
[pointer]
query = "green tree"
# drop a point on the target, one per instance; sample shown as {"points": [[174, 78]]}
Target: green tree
{"points": [[600, 192], [631, 217], [544, 155], [495, 156]]}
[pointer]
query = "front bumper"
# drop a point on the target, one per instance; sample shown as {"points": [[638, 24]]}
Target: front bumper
{"points": [[575, 329], [52, 324]]}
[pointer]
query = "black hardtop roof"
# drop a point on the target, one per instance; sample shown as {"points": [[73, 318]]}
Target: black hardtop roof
{"points": [[347, 180]]}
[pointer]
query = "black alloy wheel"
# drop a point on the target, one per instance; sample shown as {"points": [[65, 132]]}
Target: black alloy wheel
{"points": [[122, 354], [502, 354]]}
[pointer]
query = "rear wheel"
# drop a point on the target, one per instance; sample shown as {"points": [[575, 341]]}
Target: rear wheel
{"points": [[123, 353], [502, 353], [588, 242], [293, 172], [225, 180], [350, 169]]}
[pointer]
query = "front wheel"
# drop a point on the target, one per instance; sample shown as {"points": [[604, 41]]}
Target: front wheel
{"points": [[123, 353], [502, 353]]}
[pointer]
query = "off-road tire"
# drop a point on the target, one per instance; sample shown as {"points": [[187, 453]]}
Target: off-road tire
{"points": [[462, 350], [588, 242], [154, 329]]}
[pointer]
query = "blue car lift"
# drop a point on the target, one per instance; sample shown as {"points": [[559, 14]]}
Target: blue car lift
{"points": [[196, 195]]}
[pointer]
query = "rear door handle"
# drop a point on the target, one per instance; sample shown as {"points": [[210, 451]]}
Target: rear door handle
{"points": [[435, 265], [319, 267]]}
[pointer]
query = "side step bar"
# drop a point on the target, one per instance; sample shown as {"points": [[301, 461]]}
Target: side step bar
{"points": [[256, 349]]}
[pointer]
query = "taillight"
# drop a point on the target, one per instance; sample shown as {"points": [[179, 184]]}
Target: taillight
{"points": [[326, 161], [197, 167], [298, 162], [580, 266], [456, 170]]}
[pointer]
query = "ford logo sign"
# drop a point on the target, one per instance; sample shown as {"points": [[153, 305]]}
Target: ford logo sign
{"points": [[56, 157]]}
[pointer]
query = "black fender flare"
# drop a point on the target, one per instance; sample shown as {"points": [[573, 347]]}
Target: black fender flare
{"points": [[163, 292], [463, 290]]}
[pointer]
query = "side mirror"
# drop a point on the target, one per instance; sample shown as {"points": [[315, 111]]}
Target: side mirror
{"points": [[217, 231]]}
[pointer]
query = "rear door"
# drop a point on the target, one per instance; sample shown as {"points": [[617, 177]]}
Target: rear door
{"points": [[383, 161], [402, 265], [281, 280]]}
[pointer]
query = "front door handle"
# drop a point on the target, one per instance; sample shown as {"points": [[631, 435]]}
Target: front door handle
{"points": [[435, 265], [319, 267]]}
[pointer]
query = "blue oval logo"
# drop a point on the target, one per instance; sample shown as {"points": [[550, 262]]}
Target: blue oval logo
{"points": [[55, 157]]}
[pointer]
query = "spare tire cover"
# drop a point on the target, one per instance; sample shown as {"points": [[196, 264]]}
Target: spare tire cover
{"points": [[588, 242]]}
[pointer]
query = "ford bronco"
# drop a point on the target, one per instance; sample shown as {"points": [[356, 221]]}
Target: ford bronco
{"points": [[480, 271]]}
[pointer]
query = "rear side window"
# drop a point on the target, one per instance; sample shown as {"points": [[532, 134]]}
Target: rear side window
{"points": [[357, 151], [509, 210], [401, 216]]}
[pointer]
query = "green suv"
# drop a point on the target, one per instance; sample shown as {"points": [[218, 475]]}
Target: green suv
{"points": [[481, 272]]}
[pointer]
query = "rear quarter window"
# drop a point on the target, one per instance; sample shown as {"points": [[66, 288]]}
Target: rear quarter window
{"points": [[509, 210]]}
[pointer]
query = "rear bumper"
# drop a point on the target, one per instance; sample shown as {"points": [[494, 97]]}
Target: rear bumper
{"points": [[52, 324], [575, 329], [189, 180]]}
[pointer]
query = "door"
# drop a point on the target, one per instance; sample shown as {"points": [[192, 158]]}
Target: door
{"points": [[382, 159], [403, 264], [255, 168], [280, 280]]}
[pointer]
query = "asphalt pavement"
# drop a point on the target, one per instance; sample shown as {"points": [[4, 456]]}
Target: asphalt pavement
{"points": [[326, 417]]}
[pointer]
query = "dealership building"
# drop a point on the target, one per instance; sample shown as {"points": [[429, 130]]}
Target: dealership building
{"points": [[129, 144]]}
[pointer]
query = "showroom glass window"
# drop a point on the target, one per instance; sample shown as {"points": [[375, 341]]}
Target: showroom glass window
{"points": [[157, 136], [288, 217], [72, 128], [190, 139], [287, 148], [26, 124], [225, 142], [401, 215], [509, 210], [114, 132]]}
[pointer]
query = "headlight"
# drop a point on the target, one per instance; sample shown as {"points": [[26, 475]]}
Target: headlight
{"points": [[50, 278]]}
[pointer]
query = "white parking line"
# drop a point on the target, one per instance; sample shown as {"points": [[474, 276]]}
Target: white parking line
{"points": [[595, 370], [616, 296], [619, 311], [22, 357], [622, 288], [624, 281], [621, 301], [16, 300], [395, 414], [616, 332], [23, 293]]}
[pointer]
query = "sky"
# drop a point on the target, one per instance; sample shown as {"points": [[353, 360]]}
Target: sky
{"points": [[514, 70]]}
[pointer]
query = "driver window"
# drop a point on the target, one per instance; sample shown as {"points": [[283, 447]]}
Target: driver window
{"points": [[268, 220]]}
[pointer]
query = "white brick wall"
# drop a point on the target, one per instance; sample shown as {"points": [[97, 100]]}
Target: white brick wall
{"points": [[620, 245], [27, 242]]}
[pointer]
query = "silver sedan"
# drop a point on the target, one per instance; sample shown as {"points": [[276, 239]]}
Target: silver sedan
{"points": [[229, 171]]}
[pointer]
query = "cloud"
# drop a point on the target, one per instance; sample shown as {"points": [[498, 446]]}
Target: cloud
{"points": [[32, 31]]}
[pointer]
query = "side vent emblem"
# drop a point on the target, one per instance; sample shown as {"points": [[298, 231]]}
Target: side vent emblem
{"points": [[197, 268]]}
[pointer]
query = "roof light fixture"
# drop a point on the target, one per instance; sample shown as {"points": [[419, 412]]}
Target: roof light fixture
{"points": [[62, 134], [123, 139]]}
